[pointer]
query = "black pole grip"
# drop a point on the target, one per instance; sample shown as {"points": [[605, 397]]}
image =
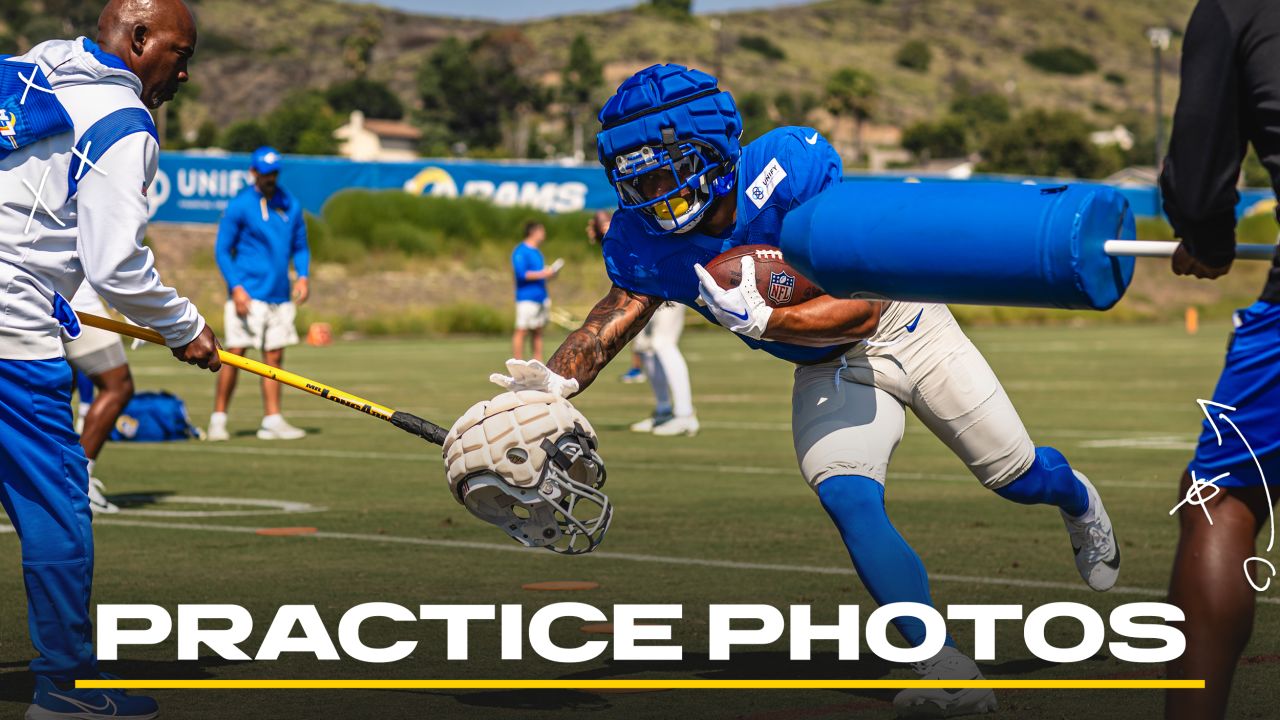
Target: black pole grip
{"points": [[424, 429]]}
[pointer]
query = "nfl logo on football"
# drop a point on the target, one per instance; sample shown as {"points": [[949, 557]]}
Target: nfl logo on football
{"points": [[781, 285]]}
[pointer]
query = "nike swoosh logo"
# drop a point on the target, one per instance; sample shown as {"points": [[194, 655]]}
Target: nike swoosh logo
{"points": [[743, 316], [911, 326], [812, 139], [86, 707], [1113, 563]]}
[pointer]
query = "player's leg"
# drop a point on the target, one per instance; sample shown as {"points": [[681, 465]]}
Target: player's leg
{"points": [[958, 397], [239, 334], [1239, 445], [517, 344], [845, 432], [1210, 587], [278, 333], [43, 482], [668, 325], [642, 346], [99, 356], [537, 343]]}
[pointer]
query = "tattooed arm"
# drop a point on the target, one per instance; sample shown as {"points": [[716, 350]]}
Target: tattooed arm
{"points": [[610, 325]]}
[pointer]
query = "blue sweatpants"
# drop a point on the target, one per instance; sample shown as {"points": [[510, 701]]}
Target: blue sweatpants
{"points": [[44, 483]]}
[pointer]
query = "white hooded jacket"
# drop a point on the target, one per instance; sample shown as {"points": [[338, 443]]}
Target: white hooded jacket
{"points": [[91, 216]]}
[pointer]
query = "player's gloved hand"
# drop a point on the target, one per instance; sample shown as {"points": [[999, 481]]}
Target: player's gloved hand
{"points": [[1184, 263], [740, 309], [557, 266], [533, 375]]}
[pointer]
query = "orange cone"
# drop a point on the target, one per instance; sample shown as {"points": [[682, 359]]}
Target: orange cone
{"points": [[319, 334], [1193, 320]]}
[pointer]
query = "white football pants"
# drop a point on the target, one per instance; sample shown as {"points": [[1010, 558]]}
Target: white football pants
{"points": [[658, 345]]}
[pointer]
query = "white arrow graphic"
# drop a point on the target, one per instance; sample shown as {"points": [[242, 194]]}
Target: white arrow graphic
{"points": [[1204, 406]]}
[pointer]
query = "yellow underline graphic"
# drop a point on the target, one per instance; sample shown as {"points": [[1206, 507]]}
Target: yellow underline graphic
{"points": [[638, 684]]}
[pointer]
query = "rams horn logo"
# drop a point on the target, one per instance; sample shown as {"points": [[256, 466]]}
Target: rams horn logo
{"points": [[8, 125], [433, 181]]}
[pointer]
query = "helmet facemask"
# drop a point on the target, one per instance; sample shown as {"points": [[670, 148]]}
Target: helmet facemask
{"points": [[563, 511], [673, 183]]}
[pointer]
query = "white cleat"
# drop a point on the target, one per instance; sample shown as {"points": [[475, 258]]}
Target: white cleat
{"points": [[678, 426], [648, 424], [98, 502], [948, 664], [217, 432], [279, 430], [1094, 542]]}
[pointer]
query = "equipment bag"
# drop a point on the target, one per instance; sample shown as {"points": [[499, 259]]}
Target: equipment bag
{"points": [[154, 417]]}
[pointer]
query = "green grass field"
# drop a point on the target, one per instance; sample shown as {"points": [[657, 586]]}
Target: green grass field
{"points": [[1120, 401]]}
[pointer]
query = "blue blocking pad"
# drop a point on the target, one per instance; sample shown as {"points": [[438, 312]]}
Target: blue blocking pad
{"points": [[970, 243]]}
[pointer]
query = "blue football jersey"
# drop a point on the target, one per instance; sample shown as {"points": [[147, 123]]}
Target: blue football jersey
{"points": [[777, 172]]}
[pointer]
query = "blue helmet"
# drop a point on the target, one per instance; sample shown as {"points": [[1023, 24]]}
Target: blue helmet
{"points": [[670, 143]]}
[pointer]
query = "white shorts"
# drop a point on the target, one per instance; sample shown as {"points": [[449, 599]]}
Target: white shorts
{"points": [[268, 326], [848, 414], [532, 315], [95, 351]]}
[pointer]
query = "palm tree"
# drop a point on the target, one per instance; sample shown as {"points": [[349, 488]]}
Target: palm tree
{"points": [[852, 92]]}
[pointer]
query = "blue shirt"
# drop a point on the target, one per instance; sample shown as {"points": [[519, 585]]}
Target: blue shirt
{"points": [[777, 172], [526, 259], [256, 240]]}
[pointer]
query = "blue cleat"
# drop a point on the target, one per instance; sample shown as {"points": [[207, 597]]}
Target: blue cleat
{"points": [[53, 703], [634, 375]]}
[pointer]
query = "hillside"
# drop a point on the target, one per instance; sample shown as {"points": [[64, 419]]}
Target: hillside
{"points": [[252, 53]]}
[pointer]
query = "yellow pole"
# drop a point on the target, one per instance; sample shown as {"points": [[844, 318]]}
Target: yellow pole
{"points": [[252, 366]]}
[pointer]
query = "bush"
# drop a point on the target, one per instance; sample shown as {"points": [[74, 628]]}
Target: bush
{"points": [[245, 136], [374, 99], [914, 55], [1115, 78], [392, 221], [1044, 143], [762, 45], [1062, 60], [946, 138]]}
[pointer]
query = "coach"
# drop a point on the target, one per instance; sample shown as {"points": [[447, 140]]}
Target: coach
{"points": [[78, 153], [260, 232], [1230, 98]]}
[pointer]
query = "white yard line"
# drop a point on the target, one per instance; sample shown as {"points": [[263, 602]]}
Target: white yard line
{"points": [[641, 558]]}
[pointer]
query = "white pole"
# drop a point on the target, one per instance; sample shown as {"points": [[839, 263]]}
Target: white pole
{"points": [[1162, 249]]}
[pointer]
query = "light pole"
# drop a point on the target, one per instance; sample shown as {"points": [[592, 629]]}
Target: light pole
{"points": [[1159, 38]]}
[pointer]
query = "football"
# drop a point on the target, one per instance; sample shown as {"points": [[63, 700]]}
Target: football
{"points": [[779, 283]]}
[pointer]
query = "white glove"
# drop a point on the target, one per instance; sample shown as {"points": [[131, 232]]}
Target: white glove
{"points": [[533, 375], [557, 266], [740, 309]]}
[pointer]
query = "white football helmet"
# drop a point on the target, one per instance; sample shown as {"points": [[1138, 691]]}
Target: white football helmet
{"points": [[527, 462]]}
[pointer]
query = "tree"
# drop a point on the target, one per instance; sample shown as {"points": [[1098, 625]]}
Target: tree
{"points": [[914, 55], [357, 48], [370, 97], [981, 108], [581, 76], [1061, 59], [481, 92], [1047, 143], [673, 8], [245, 136], [946, 138], [794, 109], [755, 116], [852, 93]]}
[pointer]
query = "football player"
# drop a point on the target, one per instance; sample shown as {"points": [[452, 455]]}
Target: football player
{"points": [[689, 191]]}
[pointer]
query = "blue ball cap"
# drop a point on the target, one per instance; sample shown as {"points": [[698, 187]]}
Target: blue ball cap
{"points": [[265, 160]]}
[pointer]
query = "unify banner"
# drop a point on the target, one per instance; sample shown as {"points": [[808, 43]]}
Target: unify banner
{"points": [[195, 188]]}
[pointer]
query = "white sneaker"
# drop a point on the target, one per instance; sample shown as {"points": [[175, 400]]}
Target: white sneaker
{"points": [[648, 424], [1094, 542], [217, 431], [98, 502], [275, 428], [678, 426], [948, 664]]}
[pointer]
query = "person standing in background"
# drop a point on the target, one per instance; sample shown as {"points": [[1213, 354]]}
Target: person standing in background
{"points": [[1229, 98], [657, 350], [261, 231], [533, 305]]}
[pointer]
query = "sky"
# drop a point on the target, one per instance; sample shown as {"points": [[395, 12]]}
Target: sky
{"points": [[515, 10]]}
